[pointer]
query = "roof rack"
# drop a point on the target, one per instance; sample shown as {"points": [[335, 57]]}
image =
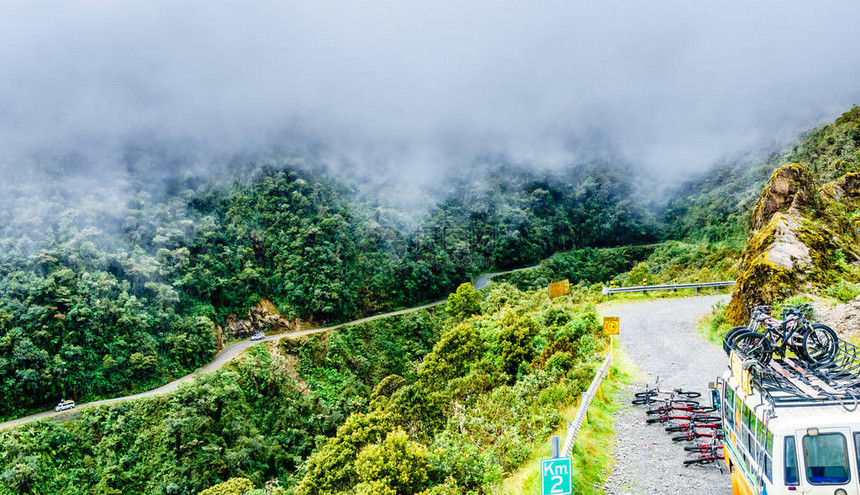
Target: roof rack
{"points": [[787, 382]]}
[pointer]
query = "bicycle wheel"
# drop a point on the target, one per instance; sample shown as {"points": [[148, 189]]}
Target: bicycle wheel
{"points": [[754, 345], [706, 418], [682, 438], [729, 336], [647, 393], [685, 402], [660, 410], [677, 429], [702, 448], [688, 394], [820, 344], [661, 419], [705, 459], [703, 410]]}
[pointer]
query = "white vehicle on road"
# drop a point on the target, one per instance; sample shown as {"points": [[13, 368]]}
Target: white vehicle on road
{"points": [[64, 405], [258, 336]]}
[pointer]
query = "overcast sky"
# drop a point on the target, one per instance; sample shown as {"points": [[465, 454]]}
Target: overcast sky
{"points": [[667, 85]]}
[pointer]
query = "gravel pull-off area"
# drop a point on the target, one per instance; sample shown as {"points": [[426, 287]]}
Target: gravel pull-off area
{"points": [[661, 338]]}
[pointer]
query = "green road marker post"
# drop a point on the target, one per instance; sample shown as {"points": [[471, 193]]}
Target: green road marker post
{"points": [[556, 477]]}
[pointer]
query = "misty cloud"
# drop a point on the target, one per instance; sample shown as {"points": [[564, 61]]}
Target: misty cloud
{"points": [[413, 86]]}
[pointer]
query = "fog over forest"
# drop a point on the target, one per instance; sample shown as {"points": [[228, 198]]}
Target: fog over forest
{"points": [[414, 88]]}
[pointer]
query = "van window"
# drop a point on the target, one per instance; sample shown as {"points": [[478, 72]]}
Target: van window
{"points": [[790, 462], [826, 459], [730, 407], [768, 454]]}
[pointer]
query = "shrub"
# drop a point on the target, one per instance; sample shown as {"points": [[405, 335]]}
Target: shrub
{"points": [[843, 290]]}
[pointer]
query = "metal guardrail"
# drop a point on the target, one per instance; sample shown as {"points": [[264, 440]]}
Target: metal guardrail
{"points": [[574, 426], [643, 288]]}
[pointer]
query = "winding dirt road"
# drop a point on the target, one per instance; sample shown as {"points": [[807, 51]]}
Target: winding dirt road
{"points": [[230, 352], [223, 357], [661, 338]]}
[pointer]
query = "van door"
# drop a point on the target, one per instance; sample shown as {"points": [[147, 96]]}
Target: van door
{"points": [[827, 461]]}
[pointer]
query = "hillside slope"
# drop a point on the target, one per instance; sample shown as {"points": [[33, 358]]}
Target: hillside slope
{"points": [[805, 227]]}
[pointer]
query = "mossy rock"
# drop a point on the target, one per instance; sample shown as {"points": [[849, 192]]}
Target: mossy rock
{"points": [[791, 187], [850, 184], [790, 252], [761, 282]]}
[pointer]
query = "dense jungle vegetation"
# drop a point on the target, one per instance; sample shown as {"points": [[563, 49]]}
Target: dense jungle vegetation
{"points": [[106, 289], [120, 283], [439, 403]]}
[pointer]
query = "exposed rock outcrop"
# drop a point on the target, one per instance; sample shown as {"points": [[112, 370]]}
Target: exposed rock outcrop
{"points": [[794, 239], [790, 189], [775, 259], [261, 318]]}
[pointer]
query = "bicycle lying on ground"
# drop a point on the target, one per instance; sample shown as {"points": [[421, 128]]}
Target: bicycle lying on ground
{"points": [[670, 408], [692, 434], [706, 458], [703, 448], [665, 418], [693, 425], [669, 397]]}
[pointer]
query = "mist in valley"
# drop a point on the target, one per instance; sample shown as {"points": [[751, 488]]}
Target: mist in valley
{"points": [[412, 92]]}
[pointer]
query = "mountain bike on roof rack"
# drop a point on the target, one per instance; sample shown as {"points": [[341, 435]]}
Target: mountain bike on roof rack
{"points": [[812, 342], [760, 316]]}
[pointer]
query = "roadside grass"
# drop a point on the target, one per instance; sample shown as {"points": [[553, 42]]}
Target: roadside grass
{"points": [[591, 456], [715, 326]]}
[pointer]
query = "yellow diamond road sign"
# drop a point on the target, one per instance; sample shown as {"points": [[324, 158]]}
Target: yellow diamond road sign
{"points": [[611, 325]]}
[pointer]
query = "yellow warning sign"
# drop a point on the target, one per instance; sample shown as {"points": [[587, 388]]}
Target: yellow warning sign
{"points": [[611, 325], [557, 289]]}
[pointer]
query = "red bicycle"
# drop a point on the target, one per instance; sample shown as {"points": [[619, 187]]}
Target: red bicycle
{"points": [[667, 409], [692, 434], [693, 426], [694, 418], [705, 458], [703, 448]]}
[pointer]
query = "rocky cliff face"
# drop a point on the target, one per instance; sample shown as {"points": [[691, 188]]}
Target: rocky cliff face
{"points": [[261, 318], [803, 235]]}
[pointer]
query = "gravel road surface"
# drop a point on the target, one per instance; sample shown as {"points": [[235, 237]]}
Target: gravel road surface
{"points": [[661, 338]]}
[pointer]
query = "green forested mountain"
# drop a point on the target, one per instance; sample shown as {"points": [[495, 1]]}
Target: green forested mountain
{"points": [[718, 205], [108, 286], [437, 403], [805, 223], [121, 282]]}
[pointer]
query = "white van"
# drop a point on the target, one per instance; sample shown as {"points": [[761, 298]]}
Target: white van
{"points": [[64, 405], [788, 431]]}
